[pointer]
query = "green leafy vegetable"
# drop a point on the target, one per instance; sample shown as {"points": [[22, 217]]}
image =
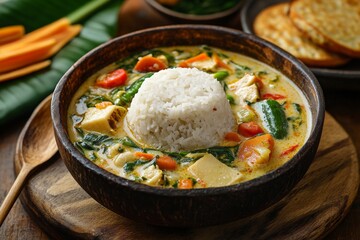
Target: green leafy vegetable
{"points": [[22, 95], [126, 141], [133, 89], [224, 154]]}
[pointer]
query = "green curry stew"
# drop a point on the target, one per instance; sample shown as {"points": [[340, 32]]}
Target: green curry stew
{"points": [[270, 112]]}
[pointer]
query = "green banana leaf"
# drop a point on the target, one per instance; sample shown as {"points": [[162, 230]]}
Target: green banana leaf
{"points": [[21, 96]]}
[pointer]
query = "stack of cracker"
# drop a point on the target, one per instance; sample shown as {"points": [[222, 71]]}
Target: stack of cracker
{"points": [[321, 33]]}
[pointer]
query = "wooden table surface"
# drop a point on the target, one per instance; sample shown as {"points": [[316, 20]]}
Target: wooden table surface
{"points": [[343, 106]]}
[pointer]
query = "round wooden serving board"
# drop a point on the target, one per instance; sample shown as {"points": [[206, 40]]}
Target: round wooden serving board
{"points": [[311, 210]]}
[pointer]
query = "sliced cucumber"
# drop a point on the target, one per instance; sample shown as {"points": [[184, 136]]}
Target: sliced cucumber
{"points": [[273, 117]]}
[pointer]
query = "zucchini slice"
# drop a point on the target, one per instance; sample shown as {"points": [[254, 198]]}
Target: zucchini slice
{"points": [[273, 117]]}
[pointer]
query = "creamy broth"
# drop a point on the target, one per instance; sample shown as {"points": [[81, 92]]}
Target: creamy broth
{"points": [[270, 90]]}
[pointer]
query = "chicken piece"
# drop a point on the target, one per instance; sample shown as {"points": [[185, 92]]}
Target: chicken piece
{"points": [[213, 172], [245, 81], [105, 120], [247, 95], [246, 90], [206, 65], [123, 158], [151, 174]]}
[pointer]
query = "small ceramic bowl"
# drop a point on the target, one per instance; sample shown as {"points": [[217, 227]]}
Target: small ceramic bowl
{"points": [[191, 18], [194, 207]]}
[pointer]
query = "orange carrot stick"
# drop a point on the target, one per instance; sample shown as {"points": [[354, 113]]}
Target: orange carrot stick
{"points": [[11, 33], [42, 33], [24, 56], [24, 71]]}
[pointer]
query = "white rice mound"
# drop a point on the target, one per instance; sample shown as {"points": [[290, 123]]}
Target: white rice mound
{"points": [[180, 109]]}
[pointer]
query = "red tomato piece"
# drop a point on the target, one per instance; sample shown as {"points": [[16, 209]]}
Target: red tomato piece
{"points": [[249, 129], [273, 96], [289, 150], [115, 78]]}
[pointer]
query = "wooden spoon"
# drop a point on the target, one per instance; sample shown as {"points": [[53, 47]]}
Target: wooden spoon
{"points": [[35, 146]]}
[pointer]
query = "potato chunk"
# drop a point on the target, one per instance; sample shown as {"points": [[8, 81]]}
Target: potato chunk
{"points": [[105, 120], [213, 172]]}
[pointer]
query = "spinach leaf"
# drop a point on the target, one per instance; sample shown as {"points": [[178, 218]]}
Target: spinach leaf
{"points": [[130, 166], [224, 154], [126, 141]]}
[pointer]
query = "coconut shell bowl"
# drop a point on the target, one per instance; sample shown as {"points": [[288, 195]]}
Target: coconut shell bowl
{"points": [[191, 207]]}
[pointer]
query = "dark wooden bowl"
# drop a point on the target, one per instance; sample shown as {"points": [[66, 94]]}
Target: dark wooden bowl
{"points": [[195, 207]]}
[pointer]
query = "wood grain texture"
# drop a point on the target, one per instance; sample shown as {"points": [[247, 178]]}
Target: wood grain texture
{"points": [[18, 224], [316, 205]]}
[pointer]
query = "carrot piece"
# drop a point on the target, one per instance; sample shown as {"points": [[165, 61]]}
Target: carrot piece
{"points": [[103, 105], [257, 150], [24, 71], [289, 150], [249, 129], [185, 184], [42, 33], [149, 64], [220, 63], [198, 58], [11, 33], [166, 163], [259, 83], [146, 156], [25, 56], [232, 136]]}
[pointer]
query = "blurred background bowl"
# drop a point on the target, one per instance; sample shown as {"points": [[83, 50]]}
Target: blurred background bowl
{"points": [[179, 17]]}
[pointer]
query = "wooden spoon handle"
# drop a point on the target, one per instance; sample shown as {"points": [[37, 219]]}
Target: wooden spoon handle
{"points": [[13, 193]]}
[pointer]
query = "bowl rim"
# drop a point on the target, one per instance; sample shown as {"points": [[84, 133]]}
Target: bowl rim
{"points": [[78, 156], [192, 17]]}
